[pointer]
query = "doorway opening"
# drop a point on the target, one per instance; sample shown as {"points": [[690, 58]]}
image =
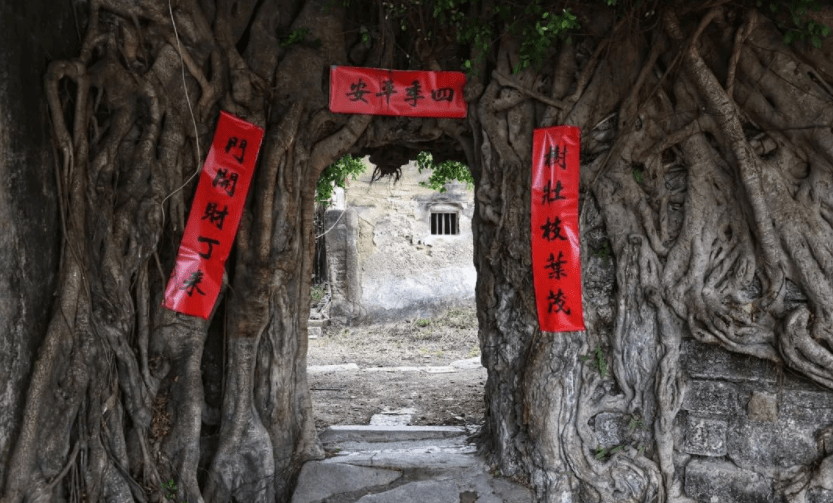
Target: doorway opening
{"points": [[393, 337]]}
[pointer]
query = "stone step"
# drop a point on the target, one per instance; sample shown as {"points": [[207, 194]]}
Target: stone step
{"points": [[318, 323], [404, 464], [367, 433]]}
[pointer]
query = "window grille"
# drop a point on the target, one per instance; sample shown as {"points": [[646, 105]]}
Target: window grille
{"points": [[444, 223]]}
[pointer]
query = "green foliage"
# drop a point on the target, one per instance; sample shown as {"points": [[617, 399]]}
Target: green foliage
{"points": [[539, 36], [809, 31], [639, 175], [603, 252], [336, 175], [423, 322], [635, 423], [170, 488], [317, 293], [294, 37], [443, 172], [598, 361], [537, 26]]}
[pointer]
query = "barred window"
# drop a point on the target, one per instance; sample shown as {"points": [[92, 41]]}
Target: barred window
{"points": [[444, 223]]}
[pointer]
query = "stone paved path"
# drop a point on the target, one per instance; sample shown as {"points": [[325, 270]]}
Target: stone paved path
{"points": [[402, 464]]}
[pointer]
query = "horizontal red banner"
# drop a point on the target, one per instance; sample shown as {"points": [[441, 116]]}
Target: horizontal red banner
{"points": [[407, 93], [197, 278], [556, 242]]}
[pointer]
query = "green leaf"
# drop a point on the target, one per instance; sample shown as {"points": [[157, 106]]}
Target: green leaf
{"points": [[816, 41]]}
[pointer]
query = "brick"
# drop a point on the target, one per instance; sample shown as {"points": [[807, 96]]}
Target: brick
{"points": [[705, 437], [718, 481]]}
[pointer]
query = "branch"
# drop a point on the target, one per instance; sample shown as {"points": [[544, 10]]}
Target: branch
{"points": [[740, 37], [507, 81]]}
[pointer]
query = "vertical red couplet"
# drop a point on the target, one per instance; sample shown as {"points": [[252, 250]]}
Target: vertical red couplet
{"points": [[556, 258], [197, 276], [408, 93]]}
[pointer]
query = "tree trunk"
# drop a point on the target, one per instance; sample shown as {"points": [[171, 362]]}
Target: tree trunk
{"points": [[692, 167]]}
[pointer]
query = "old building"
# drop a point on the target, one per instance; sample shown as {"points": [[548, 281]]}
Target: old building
{"points": [[396, 249]]}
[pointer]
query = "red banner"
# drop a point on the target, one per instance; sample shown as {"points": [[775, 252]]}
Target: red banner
{"points": [[397, 92], [215, 213], [556, 258]]}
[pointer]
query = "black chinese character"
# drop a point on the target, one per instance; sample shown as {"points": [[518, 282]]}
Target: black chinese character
{"points": [[232, 142], [226, 181], [552, 230], [557, 266], [444, 93], [211, 243], [552, 194], [556, 156], [414, 92], [214, 215], [357, 91], [557, 301], [192, 283], [387, 90]]}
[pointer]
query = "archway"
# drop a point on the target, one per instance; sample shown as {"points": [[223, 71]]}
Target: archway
{"points": [[400, 332]]}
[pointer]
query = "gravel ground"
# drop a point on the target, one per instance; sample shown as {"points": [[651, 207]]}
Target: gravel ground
{"points": [[352, 397]]}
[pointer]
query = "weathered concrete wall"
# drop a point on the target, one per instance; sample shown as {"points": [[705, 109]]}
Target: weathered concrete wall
{"points": [[403, 271], [34, 32]]}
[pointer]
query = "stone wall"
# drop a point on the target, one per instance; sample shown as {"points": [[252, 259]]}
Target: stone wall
{"points": [[384, 263], [745, 428], [34, 33]]}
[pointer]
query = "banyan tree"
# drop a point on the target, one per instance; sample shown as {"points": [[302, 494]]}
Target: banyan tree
{"points": [[706, 209]]}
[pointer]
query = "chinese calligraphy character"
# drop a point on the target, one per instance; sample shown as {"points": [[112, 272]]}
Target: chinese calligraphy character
{"points": [[387, 90], [556, 156], [414, 92], [211, 243], [557, 266], [357, 91], [192, 283], [444, 93], [232, 142], [552, 230], [557, 301], [215, 215], [226, 181], [552, 194]]}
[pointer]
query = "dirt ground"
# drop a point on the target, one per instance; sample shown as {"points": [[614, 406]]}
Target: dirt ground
{"points": [[352, 397]]}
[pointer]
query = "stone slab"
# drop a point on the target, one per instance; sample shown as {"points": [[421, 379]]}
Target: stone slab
{"points": [[705, 436], [706, 361], [318, 480], [314, 332], [344, 367], [440, 369], [722, 482], [392, 369], [423, 491], [762, 407], [402, 459], [390, 419], [364, 433], [609, 429], [711, 397], [813, 407], [471, 363], [780, 444], [319, 323]]}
